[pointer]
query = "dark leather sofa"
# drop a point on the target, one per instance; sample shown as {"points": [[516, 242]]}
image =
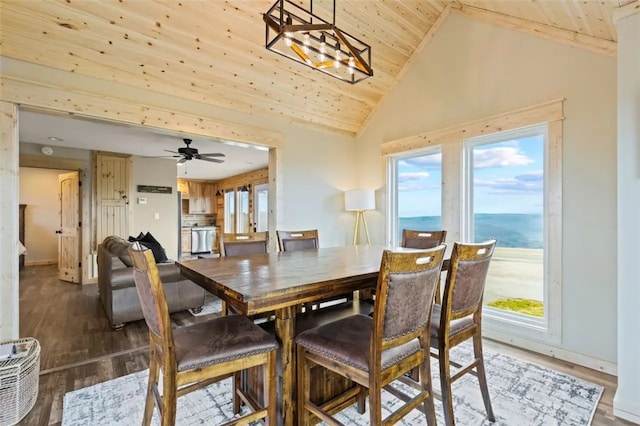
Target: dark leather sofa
{"points": [[118, 291]]}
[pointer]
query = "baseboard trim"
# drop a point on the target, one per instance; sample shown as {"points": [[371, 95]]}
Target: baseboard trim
{"points": [[553, 351], [40, 262], [626, 410]]}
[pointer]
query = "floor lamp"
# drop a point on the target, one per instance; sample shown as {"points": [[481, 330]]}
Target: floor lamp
{"points": [[359, 200]]}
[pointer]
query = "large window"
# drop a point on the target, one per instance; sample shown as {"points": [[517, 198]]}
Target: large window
{"points": [[505, 193], [243, 210], [505, 185], [237, 217], [229, 211], [261, 207], [418, 183]]}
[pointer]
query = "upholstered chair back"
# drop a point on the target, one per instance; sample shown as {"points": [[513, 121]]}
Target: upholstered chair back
{"points": [[423, 239], [466, 279], [244, 244], [151, 292], [297, 240], [405, 290]]}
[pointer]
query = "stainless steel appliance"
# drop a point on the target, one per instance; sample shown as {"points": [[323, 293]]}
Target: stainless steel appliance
{"points": [[201, 239]]}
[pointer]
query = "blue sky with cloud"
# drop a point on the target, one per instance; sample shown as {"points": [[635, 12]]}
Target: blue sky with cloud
{"points": [[508, 178]]}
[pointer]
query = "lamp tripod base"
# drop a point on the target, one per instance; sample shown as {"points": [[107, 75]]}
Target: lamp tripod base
{"points": [[356, 231]]}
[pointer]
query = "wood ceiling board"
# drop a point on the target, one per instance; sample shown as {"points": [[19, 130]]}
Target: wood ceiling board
{"points": [[224, 61]]}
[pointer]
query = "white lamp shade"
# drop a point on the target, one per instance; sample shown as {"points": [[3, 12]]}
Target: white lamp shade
{"points": [[359, 199]]}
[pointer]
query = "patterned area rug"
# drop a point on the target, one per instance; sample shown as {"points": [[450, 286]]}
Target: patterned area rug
{"points": [[521, 394], [212, 305]]}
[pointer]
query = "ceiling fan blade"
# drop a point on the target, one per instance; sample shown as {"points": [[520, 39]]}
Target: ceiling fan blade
{"points": [[211, 160], [173, 152], [213, 154], [182, 160]]}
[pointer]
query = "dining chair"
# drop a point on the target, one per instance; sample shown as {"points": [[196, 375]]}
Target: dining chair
{"points": [[305, 240], [297, 240], [244, 244], [459, 318], [196, 356], [423, 240], [240, 244], [374, 351]]}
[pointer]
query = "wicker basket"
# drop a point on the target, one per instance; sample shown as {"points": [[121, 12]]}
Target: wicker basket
{"points": [[19, 377]]}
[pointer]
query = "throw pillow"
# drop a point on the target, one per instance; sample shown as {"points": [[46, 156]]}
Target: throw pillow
{"points": [[150, 242], [138, 238]]}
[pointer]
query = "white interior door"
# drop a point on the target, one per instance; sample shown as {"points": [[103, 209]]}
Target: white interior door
{"points": [[69, 232]]}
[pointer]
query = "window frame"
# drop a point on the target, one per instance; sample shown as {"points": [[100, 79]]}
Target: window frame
{"points": [[506, 327], [491, 314], [227, 215], [394, 239]]}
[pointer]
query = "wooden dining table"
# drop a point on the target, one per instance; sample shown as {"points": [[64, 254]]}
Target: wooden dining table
{"points": [[280, 282]]}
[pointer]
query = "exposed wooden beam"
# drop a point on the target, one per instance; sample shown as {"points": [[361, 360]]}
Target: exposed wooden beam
{"points": [[425, 40], [582, 41], [68, 94]]}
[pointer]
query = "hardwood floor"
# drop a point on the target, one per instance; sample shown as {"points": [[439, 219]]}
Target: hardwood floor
{"points": [[79, 348]]}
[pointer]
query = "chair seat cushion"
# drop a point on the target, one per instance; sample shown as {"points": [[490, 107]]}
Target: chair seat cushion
{"points": [[456, 326], [347, 341], [220, 340]]}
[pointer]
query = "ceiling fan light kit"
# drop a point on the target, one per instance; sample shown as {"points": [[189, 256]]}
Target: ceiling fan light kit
{"points": [[298, 34]]}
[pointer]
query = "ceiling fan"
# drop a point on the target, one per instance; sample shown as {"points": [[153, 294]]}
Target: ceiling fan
{"points": [[189, 153]]}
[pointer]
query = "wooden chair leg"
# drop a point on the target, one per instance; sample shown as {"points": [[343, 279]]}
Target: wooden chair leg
{"points": [[169, 399], [445, 385], [362, 401], [482, 378], [153, 381], [304, 385], [425, 373], [375, 405], [414, 375], [236, 383], [270, 380]]}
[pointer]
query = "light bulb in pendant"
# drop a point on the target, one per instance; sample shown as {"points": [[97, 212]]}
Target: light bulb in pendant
{"points": [[336, 63], [351, 64], [287, 41], [305, 44]]}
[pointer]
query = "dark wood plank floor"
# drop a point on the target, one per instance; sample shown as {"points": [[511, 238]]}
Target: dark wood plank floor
{"points": [[79, 348]]}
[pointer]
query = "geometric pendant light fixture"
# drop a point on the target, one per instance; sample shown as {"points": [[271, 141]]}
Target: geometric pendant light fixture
{"points": [[298, 34]]}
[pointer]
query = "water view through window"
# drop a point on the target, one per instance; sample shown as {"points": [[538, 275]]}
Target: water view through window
{"points": [[505, 196]]}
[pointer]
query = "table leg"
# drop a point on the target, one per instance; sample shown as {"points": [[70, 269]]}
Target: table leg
{"points": [[285, 332]]}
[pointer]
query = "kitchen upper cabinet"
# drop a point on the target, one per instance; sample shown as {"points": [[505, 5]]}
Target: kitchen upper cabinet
{"points": [[201, 197], [183, 187]]}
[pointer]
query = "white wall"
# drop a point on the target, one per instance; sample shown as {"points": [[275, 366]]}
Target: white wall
{"points": [[472, 70], [156, 172], [316, 169], [39, 190], [627, 400]]}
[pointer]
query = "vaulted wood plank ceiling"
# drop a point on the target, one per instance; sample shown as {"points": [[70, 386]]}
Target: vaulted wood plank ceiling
{"points": [[213, 51]]}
